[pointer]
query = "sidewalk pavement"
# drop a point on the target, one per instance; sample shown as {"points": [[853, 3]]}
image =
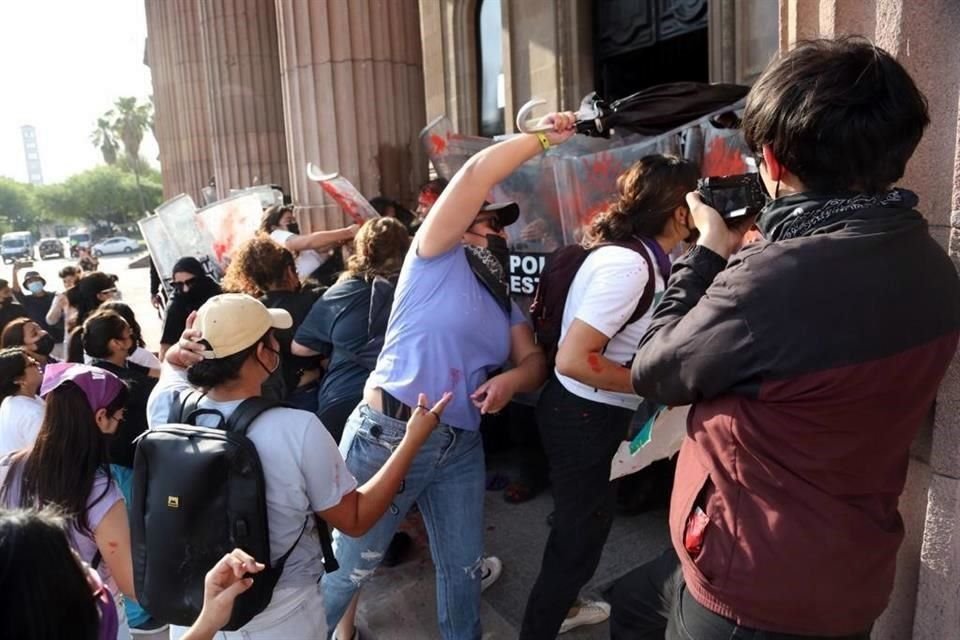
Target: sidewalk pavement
{"points": [[400, 604]]}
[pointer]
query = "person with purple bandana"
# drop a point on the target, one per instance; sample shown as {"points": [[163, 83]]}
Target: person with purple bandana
{"points": [[68, 466], [451, 325]]}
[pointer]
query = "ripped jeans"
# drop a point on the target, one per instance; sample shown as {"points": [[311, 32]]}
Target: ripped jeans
{"points": [[446, 480]]}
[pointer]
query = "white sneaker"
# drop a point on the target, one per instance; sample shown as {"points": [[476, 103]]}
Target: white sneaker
{"points": [[490, 571], [593, 612]]}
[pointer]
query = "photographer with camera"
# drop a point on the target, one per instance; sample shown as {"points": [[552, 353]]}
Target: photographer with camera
{"points": [[811, 358]]}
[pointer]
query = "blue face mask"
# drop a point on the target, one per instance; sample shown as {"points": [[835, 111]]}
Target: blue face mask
{"points": [[35, 287]]}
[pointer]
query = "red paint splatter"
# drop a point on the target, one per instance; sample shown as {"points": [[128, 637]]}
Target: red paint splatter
{"points": [[112, 545], [722, 158], [455, 376], [594, 361], [438, 144], [349, 205]]}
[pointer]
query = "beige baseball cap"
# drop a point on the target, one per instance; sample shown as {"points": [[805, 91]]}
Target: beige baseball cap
{"points": [[231, 322]]}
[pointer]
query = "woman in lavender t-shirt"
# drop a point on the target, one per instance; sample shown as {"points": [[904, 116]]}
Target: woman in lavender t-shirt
{"points": [[452, 325], [68, 467]]}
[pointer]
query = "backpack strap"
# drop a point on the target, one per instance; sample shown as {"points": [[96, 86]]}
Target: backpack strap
{"points": [[248, 411], [183, 405], [330, 563]]}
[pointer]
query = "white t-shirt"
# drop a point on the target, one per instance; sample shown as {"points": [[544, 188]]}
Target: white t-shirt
{"points": [[308, 260], [604, 294], [20, 419], [302, 468]]}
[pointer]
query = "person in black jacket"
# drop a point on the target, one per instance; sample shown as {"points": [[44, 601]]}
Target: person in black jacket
{"points": [[10, 309], [811, 359], [191, 288], [264, 269]]}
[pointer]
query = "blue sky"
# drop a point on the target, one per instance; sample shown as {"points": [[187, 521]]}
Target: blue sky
{"points": [[62, 63]]}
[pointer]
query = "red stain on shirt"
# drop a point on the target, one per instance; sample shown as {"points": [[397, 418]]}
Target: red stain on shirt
{"points": [[455, 377]]}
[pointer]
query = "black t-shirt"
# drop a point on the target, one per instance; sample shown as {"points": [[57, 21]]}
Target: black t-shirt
{"points": [[298, 305], [135, 417], [341, 325], [37, 307]]}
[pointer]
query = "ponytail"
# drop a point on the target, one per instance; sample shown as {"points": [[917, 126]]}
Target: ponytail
{"points": [[75, 345]]}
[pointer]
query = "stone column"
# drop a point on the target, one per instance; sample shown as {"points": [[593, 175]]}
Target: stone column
{"points": [[192, 108], [353, 99], [245, 103], [160, 49], [175, 57]]}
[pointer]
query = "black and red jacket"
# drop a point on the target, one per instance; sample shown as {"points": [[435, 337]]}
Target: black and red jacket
{"points": [[811, 358]]}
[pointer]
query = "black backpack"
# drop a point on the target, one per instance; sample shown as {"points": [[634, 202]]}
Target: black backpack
{"points": [[557, 276], [199, 493]]}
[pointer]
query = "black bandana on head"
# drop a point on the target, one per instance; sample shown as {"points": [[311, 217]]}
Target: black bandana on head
{"points": [[490, 272]]}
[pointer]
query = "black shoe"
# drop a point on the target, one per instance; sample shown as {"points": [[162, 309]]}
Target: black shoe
{"points": [[398, 550]]}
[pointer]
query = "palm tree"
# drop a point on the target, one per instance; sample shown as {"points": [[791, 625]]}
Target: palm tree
{"points": [[103, 138], [130, 120]]}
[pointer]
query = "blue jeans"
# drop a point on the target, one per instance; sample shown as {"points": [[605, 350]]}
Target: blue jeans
{"points": [[446, 480]]}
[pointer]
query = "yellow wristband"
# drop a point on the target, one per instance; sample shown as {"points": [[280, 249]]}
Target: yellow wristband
{"points": [[544, 141]]}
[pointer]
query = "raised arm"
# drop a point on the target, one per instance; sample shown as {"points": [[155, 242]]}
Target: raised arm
{"points": [[319, 240], [461, 200]]}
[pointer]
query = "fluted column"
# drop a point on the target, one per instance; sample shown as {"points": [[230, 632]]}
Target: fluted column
{"points": [[175, 57], [353, 98], [245, 104], [193, 114], [160, 48]]}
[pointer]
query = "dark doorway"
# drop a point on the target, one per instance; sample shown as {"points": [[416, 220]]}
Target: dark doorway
{"points": [[642, 43]]}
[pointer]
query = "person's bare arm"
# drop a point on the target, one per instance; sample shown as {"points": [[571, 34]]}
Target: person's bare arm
{"points": [[360, 509], [298, 349], [55, 314], [580, 357], [459, 203], [528, 373], [113, 541], [230, 577], [319, 240]]}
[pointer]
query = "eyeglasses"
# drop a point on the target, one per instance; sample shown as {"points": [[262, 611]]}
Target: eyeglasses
{"points": [[109, 292], [491, 221], [183, 285]]}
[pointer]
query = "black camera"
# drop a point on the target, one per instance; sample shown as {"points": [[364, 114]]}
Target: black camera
{"points": [[734, 197]]}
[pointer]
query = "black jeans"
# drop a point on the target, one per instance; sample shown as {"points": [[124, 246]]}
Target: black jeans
{"points": [[580, 438], [652, 603]]}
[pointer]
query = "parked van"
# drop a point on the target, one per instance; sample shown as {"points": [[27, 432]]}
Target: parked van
{"points": [[16, 245]]}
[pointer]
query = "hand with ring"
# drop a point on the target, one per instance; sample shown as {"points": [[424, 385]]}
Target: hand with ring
{"points": [[425, 419]]}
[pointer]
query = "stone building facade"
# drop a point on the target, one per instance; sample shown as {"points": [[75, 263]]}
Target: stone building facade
{"points": [[250, 90]]}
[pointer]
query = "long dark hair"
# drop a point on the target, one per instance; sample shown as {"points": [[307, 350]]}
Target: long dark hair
{"points": [[271, 218], [70, 449], [12, 335], [647, 195], [13, 364], [83, 295], [45, 592], [127, 314], [94, 335]]}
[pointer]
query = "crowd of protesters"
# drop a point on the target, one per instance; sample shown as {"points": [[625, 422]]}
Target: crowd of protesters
{"points": [[384, 347]]}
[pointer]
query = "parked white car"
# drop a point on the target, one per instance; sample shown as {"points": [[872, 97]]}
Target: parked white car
{"points": [[119, 244]]}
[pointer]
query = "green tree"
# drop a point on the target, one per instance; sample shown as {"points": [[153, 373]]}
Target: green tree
{"points": [[102, 195], [126, 122], [18, 207], [104, 139]]}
